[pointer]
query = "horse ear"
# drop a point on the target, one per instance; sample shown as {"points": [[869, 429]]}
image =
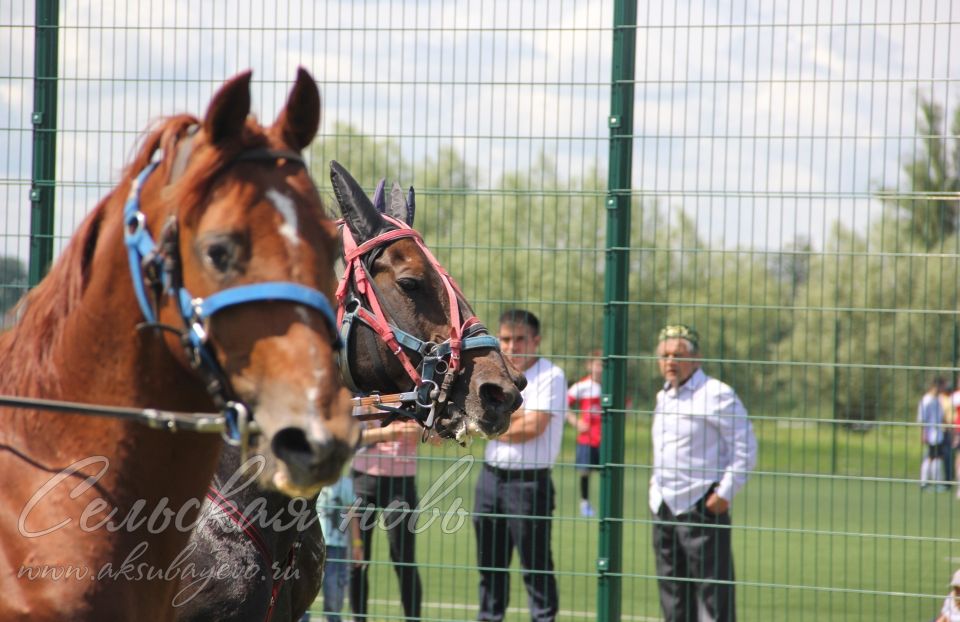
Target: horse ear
{"points": [[411, 205], [399, 208], [378, 200], [299, 120], [228, 109], [359, 214]]}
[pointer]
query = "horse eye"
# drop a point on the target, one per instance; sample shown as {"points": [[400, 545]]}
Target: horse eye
{"points": [[219, 256], [408, 285]]}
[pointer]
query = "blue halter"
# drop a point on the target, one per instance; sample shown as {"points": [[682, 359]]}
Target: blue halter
{"points": [[195, 312]]}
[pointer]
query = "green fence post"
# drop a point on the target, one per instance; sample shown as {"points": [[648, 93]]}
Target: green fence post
{"points": [[44, 119], [610, 554]]}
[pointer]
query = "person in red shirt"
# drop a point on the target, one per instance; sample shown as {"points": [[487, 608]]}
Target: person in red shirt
{"points": [[583, 401]]}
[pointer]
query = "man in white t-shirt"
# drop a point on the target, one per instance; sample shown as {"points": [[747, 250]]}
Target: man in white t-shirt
{"points": [[515, 494]]}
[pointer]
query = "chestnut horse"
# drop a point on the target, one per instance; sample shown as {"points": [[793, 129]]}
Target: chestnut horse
{"points": [[415, 304], [228, 308]]}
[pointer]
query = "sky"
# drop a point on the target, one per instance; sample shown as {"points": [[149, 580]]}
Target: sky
{"points": [[763, 120]]}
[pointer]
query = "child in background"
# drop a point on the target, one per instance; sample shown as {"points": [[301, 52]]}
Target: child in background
{"points": [[583, 398], [341, 531], [950, 612]]}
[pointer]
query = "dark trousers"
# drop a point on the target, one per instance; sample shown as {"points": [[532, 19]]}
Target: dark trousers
{"points": [[527, 500], [947, 453], [694, 565], [397, 497]]}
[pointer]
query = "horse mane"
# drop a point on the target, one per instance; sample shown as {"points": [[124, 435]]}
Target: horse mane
{"points": [[27, 348]]}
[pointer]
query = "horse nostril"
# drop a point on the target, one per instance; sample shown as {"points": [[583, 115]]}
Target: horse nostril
{"points": [[495, 399], [290, 441], [492, 393]]}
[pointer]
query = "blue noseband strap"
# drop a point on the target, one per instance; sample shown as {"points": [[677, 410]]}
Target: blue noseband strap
{"points": [[273, 291]]}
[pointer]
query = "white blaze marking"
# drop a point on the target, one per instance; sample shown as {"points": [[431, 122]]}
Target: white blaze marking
{"points": [[284, 205]]}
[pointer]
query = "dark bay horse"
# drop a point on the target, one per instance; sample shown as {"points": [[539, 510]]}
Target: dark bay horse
{"points": [[201, 282], [417, 302]]}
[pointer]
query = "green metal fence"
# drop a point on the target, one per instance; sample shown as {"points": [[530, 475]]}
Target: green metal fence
{"points": [[783, 176]]}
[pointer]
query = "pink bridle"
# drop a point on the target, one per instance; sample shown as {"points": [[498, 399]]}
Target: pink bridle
{"points": [[442, 358]]}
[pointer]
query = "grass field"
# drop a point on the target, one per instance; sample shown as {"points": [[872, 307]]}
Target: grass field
{"points": [[815, 539]]}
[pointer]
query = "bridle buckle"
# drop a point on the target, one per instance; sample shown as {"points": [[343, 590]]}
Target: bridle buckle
{"points": [[136, 223], [236, 430], [199, 325]]}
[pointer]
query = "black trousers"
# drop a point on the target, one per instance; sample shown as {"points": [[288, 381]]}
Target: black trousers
{"points": [[527, 498], [694, 565], [392, 495]]}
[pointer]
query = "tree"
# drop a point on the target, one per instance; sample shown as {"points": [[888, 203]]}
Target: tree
{"points": [[729, 295], [869, 328], [791, 266], [929, 210], [367, 159]]}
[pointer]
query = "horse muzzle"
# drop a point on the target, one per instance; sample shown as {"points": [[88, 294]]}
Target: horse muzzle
{"points": [[306, 463]]}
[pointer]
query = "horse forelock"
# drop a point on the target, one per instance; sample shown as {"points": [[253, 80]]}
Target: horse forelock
{"points": [[207, 162], [163, 137]]}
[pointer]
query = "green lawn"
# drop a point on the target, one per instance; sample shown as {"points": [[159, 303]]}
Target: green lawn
{"points": [[816, 538]]}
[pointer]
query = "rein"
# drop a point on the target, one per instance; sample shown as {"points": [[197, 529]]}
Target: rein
{"points": [[158, 419], [440, 363]]}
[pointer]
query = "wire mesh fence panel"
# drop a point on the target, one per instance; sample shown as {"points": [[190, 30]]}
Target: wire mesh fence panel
{"points": [[16, 148], [793, 197], [495, 113], [791, 173]]}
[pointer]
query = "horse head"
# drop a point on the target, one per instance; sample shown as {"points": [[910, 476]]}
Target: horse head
{"points": [[248, 238], [407, 325]]}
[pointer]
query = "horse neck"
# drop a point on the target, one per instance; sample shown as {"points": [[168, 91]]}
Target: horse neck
{"points": [[107, 360], [78, 331]]}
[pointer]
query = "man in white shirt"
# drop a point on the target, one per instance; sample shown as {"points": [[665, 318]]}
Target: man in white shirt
{"points": [[515, 494], [703, 450]]}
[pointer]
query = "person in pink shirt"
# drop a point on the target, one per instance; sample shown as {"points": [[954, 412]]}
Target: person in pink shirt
{"points": [[584, 413], [384, 470]]}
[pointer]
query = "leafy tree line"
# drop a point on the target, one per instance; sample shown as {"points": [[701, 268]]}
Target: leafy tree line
{"points": [[851, 331], [886, 299]]}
